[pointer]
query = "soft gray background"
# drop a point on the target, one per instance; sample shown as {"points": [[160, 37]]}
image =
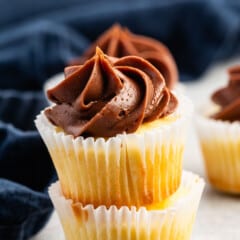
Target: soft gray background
{"points": [[218, 217]]}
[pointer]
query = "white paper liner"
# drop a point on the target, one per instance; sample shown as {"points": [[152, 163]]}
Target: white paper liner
{"points": [[102, 223], [220, 143], [129, 169]]}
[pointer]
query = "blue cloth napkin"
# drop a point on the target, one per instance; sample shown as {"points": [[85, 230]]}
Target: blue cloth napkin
{"points": [[38, 38]]}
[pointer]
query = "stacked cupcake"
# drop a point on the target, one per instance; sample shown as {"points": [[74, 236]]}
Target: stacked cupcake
{"points": [[116, 135]]}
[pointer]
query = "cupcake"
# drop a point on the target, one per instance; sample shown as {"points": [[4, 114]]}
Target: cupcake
{"points": [[219, 134], [118, 42], [116, 133], [171, 219]]}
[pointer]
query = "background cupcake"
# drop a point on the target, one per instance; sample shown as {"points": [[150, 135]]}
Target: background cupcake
{"points": [[116, 133], [219, 133]]}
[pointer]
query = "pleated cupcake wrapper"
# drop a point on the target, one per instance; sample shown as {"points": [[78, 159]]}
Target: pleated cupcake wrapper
{"points": [[102, 223], [129, 169], [220, 143]]}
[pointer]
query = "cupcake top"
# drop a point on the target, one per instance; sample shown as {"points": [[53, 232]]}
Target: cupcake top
{"points": [[119, 42], [107, 96], [228, 97]]}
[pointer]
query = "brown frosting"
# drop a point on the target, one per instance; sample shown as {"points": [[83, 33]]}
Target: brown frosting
{"points": [[107, 96], [228, 98], [120, 42]]}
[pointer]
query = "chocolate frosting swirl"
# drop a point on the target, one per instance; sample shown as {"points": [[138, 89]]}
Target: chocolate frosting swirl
{"points": [[120, 42], [228, 98], [107, 96]]}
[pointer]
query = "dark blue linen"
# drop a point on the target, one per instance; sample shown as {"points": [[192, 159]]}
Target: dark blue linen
{"points": [[38, 38]]}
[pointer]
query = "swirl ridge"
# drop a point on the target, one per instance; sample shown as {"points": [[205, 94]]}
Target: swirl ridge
{"points": [[228, 97]]}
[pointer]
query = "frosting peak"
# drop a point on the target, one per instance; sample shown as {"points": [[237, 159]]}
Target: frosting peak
{"points": [[228, 98], [119, 42], [107, 96]]}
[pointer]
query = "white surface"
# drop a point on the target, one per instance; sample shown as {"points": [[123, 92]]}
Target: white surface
{"points": [[218, 217]]}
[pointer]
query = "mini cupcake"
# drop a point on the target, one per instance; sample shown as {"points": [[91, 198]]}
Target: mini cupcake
{"points": [[118, 42], [116, 133], [219, 133], [171, 219]]}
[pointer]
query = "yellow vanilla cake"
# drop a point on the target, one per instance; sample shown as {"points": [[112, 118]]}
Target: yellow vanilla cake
{"points": [[116, 133], [219, 133], [171, 219]]}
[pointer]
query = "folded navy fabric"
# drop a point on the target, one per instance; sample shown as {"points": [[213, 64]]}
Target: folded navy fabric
{"points": [[23, 211], [25, 166], [37, 39]]}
